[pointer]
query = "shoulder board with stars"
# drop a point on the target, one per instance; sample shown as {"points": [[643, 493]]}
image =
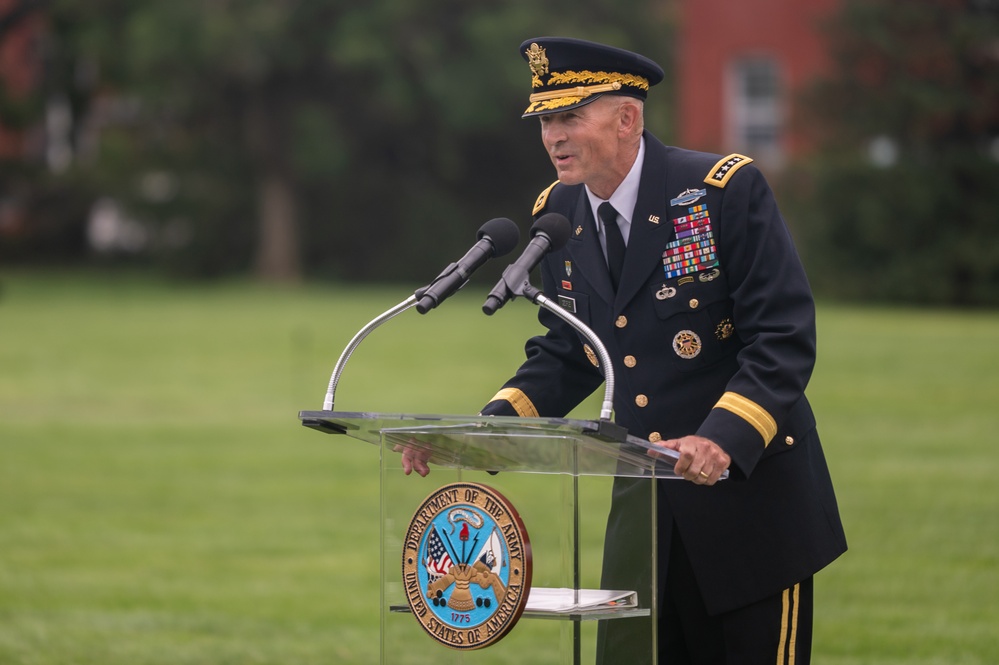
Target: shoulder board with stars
{"points": [[539, 205], [725, 168]]}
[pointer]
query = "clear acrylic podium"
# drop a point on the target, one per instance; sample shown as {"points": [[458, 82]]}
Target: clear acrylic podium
{"points": [[558, 473]]}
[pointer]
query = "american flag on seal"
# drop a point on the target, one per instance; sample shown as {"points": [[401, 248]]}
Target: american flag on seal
{"points": [[438, 560]]}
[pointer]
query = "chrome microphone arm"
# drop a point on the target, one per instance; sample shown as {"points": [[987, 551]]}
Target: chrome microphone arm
{"points": [[358, 338], [536, 296]]}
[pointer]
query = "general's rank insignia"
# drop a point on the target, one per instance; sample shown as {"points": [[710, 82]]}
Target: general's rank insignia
{"points": [[726, 167], [687, 344], [466, 566]]}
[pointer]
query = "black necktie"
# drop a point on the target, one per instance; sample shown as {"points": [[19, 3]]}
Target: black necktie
{"points": [[615, 242]]}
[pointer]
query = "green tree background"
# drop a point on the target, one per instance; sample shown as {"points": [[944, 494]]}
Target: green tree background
{"points": [[324, 139], [317, 138], [900, 202]]}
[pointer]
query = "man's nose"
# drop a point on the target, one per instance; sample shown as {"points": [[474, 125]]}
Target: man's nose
{"points": [[552, 135]]}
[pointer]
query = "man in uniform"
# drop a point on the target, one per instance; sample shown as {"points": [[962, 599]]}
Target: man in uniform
{"points": [[683, 266]]}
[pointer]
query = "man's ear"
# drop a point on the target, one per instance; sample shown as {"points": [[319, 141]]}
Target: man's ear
{"points": [[630, 116]]}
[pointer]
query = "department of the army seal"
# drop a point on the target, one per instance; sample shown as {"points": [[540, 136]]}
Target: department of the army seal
{"points": [[466, 565]]}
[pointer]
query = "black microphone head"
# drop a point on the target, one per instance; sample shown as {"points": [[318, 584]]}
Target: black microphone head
{"points": [[554, 225], [503, 233]]}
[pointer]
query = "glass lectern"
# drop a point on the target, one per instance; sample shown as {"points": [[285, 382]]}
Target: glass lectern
{"points": [[558, 474]]}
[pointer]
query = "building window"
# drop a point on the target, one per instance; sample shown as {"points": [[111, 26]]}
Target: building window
{"points": [[755, 109]]}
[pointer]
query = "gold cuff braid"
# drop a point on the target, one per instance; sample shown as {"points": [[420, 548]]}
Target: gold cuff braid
{"points": [[521, 403]]}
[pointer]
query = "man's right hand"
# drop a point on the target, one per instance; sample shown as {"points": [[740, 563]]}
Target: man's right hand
{"points": [[414, 458]]}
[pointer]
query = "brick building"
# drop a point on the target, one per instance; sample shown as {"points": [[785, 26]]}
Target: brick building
{"points": [[739, 65], [21, 67]]}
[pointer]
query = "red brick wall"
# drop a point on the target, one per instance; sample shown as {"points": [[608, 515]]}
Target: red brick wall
{"points": [[714, 32], [21, 67]]}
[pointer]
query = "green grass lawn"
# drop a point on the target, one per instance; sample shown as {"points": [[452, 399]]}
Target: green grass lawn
{"points": [[160, 503]]}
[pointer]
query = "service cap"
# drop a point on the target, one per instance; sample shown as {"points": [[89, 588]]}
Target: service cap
{"points": [[567, 73]]}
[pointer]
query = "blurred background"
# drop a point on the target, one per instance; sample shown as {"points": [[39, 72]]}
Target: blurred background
{"points": [[328, 140], [202, 201]]}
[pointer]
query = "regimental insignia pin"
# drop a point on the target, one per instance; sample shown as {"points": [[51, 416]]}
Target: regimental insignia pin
{"points": [[591, 355], [688, 197], [579, 230], [687, 344], [466, 566], [724, 329], [568, 268]]}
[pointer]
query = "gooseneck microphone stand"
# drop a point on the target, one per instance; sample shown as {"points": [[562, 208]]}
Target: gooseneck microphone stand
{"points": [[358, 338]]}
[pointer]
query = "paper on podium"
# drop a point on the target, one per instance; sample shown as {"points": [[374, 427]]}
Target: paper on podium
{"points": [[557, 601]]}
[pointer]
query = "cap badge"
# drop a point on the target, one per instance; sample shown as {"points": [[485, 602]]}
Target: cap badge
{"points": [[537, 60]]}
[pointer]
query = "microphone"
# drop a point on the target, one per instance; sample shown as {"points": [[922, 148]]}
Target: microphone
{"points": [[550, 232], [496, 237]]}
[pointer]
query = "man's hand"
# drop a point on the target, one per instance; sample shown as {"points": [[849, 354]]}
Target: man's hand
{"points": [[702, 461], [414, 458]]}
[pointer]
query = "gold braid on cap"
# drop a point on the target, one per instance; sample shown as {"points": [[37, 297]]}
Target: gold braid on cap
{"points": [[562, 78], [579, 92], [600, 82]]}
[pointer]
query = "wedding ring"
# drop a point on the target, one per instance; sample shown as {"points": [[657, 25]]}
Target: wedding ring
{"points": [[704, 475]]}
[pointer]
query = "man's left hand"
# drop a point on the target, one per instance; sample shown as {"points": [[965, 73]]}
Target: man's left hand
{"points": [[702, 461]]}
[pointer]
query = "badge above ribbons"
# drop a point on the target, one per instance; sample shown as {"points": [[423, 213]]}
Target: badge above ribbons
{"points": [[466, 566]]}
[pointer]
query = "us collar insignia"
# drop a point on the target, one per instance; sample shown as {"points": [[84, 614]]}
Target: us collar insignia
{"points": [[688, 196], [466, 566], [537, 60]]}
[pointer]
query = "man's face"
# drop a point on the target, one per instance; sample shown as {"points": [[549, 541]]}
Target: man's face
{"points": [[585, 146]]}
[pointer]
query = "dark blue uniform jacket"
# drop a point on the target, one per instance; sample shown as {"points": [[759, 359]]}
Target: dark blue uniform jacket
{"points": [[722, 347]]}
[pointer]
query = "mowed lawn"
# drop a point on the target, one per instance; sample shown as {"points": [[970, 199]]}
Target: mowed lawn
{"points": [[160, 503]]}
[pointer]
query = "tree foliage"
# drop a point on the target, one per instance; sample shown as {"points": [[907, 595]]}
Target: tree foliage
{"points": [[901, 203], [320, 137]]}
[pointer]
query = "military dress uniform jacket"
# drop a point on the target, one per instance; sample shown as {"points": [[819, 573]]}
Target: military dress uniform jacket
{"points": [[722, 350]]}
